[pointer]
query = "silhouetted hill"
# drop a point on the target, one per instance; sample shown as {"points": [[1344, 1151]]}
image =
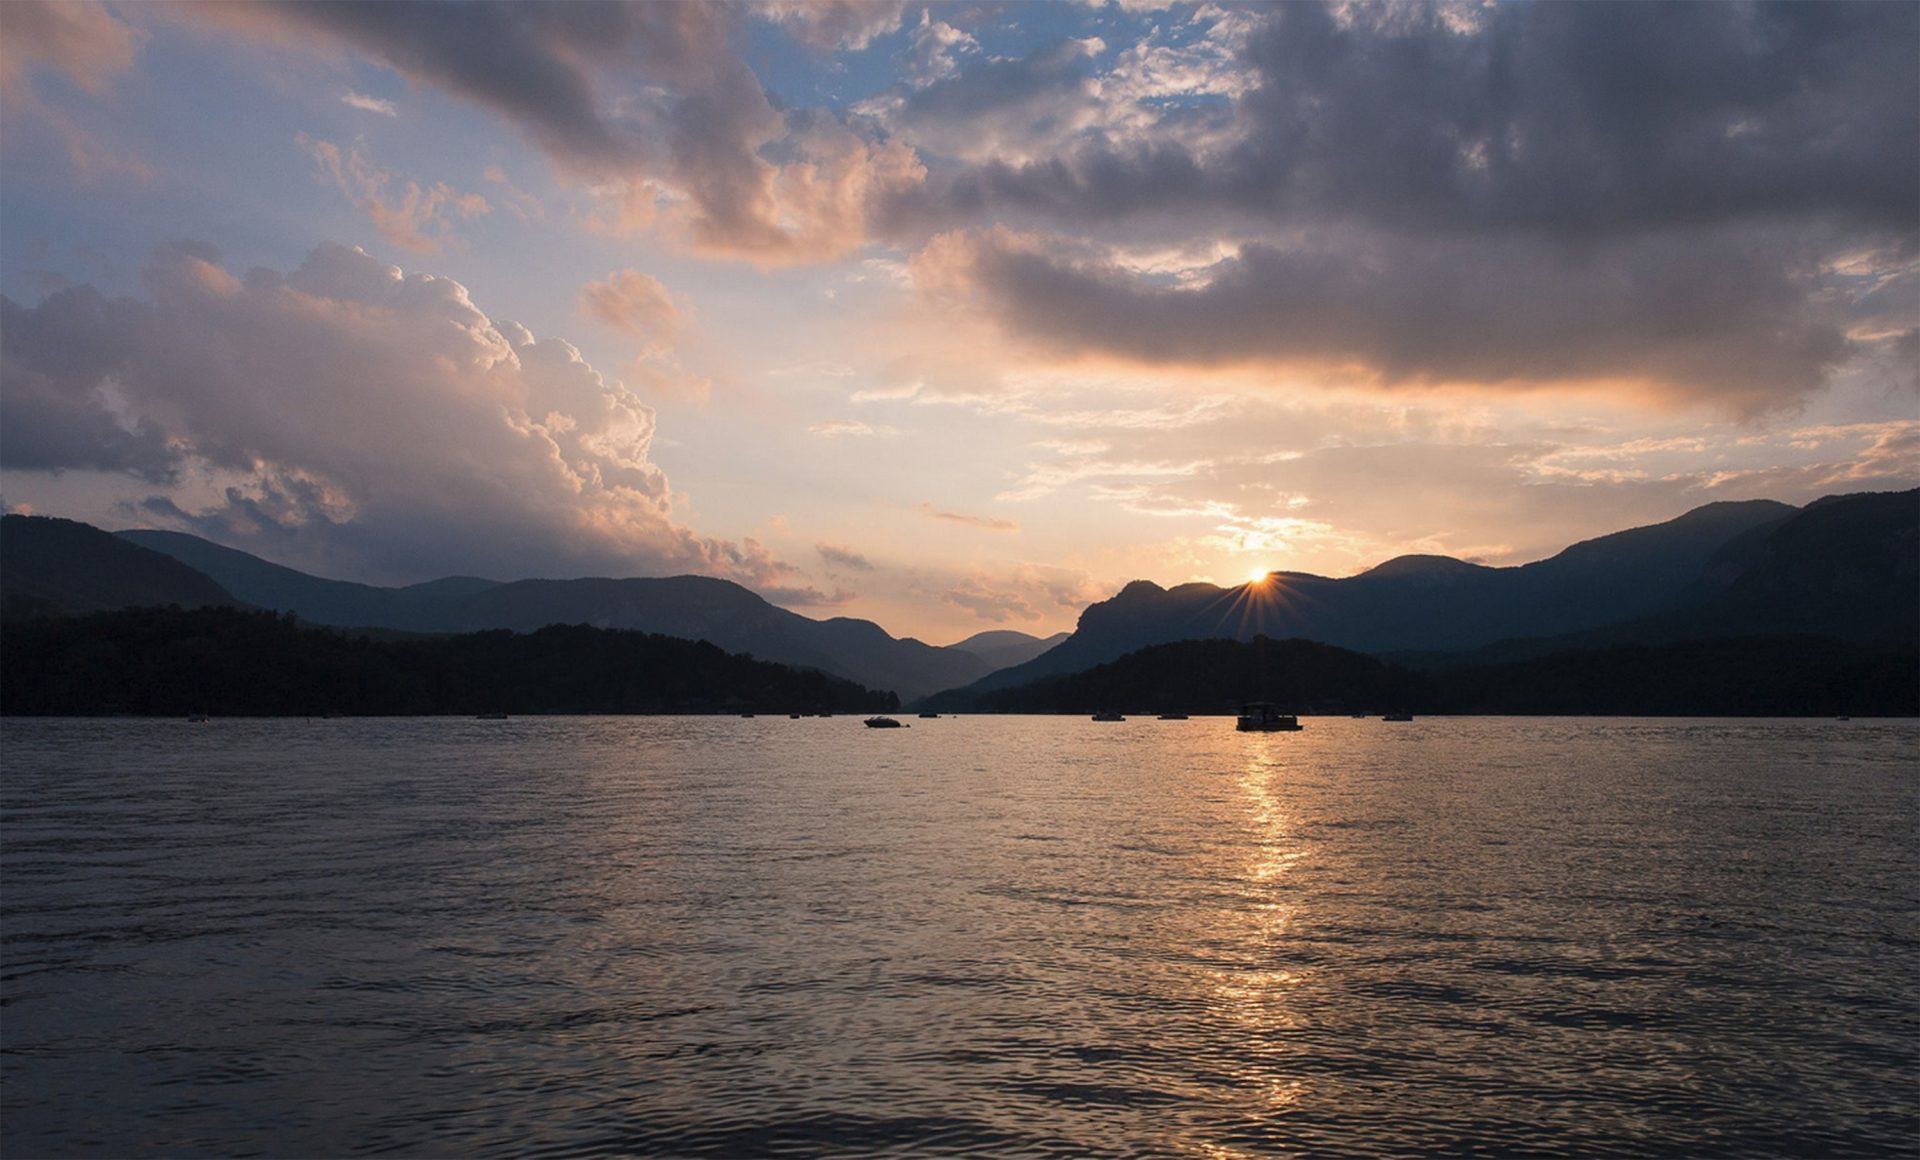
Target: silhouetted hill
{"points": [[693, 607], [1003, 647], [1846, 567], [1416, 602], [720, 611], [1749, 676], [415, 608], [158, 661], [52, 566]]}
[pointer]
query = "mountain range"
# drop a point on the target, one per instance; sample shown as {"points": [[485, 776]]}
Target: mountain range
{"points": [[1843, 568]]}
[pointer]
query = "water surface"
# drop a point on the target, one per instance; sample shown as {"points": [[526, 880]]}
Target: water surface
{"points": [[1015, 936]]}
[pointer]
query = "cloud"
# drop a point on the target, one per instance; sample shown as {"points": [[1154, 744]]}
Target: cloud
{"points": [[418, 219], [934, 49], [805, 597], [827, 25], [80, 39], [368, 104], [1517, 195], [853, 428], [635, 303], [1583, 119], [644, 105], [987, 522], [1738, 317], [87, 45], [1014, 109], [841, 557], [1022, 592], [373, 419]]}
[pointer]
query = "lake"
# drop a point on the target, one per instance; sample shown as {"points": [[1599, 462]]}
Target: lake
{"points": [[1010, 936]]}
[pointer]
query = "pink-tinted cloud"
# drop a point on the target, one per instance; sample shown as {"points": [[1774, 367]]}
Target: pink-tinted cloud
{"points": [[840, 556], [408, 215], [80, 39], [829, 25], [634, 303], [988, 522], [644, 105], [373, 418]]}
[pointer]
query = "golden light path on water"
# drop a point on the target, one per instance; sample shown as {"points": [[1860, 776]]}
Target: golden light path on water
{"points": [[992, 936]]}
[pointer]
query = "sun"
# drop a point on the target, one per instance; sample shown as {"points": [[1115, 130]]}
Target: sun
{"points": [[1257, 577]]}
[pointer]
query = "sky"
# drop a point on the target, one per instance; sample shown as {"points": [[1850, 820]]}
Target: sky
{"points": [[949, 316]]}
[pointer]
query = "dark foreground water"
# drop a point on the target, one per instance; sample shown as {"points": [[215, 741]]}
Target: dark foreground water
{"points": [[1010, 936]]}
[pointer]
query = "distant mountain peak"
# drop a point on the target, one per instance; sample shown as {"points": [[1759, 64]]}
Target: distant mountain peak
{"points": [[1140, 590], [1418, 566]]}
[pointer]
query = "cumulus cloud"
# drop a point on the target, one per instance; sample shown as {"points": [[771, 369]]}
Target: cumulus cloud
{"points": [[408, 215], [374, 418], [934, 50]]}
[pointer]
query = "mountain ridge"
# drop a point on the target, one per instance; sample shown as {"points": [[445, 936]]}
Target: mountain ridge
{"points": [[1415, 604], [691, 607]]}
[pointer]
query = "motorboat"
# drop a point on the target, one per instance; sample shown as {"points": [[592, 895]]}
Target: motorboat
{"points": [[929, 716], [883, 723], [1396, 717], [1262, 717], [1172, 717], [1108, 715]]}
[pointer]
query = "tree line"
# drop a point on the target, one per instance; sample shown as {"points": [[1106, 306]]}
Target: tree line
{"points": [[1746, 676], [226, 661]]}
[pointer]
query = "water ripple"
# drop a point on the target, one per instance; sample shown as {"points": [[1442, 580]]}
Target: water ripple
{"points": [[1018, 936]]}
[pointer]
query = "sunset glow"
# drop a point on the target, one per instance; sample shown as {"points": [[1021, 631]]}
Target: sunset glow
{"points": [[949, 316]]}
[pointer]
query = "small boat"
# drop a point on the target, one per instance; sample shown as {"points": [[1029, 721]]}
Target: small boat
{"points": [[929, 716], [490, 717], [793, 716], [1396, 717], [196, 717], [746, 714], [883, 723], [1172, 717], [1262, 717], [1108, 715]]}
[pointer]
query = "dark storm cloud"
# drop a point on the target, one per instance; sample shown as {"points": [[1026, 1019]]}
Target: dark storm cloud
{"points": [[60, 405], [1560, 118], [1516, 194], [1720, 313]]}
